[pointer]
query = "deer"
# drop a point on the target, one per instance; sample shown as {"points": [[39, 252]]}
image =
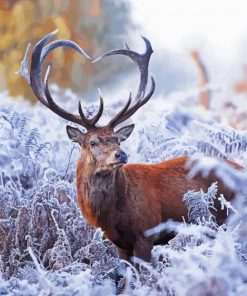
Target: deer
{"points": [[123, 199]]}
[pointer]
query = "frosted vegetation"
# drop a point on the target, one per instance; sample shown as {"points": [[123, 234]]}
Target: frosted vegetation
{"points": [[48, 248]]}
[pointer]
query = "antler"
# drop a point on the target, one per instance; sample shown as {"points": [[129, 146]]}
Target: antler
{"points": [[142, 62], [34, 78]]}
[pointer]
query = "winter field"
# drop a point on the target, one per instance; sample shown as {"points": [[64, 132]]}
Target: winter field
{"points": [[48, 248]]}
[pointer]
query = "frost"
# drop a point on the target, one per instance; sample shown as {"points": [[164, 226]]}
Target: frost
{"points": [[48, 248], [226, 204], [199, 204]]}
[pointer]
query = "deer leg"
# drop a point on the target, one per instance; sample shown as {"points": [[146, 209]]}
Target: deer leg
{"points": [[164, 238], [143, 248], [124, 254]]}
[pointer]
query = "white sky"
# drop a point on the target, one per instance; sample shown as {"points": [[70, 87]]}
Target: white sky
{"points": [[187, 24]]}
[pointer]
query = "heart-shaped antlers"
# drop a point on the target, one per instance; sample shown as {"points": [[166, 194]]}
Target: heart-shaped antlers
{"points": [[42, 93]]}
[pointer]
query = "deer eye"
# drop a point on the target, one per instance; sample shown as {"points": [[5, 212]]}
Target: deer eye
{"points": [[93, 143]]}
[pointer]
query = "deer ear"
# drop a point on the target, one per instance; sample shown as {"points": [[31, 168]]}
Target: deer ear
{"points": [[75, 134], [124, 132]]}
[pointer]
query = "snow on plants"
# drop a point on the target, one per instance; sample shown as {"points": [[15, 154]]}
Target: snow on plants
{"points": [[48, 248]]}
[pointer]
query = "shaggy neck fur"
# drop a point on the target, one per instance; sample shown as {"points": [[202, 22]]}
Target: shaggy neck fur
{"points": [[99, 192]]}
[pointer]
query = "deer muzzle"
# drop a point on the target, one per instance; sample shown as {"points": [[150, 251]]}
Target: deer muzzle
{"points": [[121, 156]]}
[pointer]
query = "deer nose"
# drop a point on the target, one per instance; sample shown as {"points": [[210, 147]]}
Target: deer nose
{"points": [[121, 156]]}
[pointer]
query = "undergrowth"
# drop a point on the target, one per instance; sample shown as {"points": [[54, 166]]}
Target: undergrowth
{"points": [[48, 248]]}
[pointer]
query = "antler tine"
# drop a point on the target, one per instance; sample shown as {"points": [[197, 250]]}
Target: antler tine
{"points": [[116, 118], [141, 60], [97, 116], [86, 124], [126, 45], [38, 55], [89, 124], [128, 112], [36, 69], [64, 43], [24, 65], [56, 108], [41, 91]]}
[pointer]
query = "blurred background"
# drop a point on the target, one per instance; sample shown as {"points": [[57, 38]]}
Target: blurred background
{"points": [[198, 46], [95, 25]]}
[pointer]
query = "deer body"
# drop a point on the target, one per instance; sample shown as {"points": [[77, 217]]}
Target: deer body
{"points": [[127, 201], [123, 199]]}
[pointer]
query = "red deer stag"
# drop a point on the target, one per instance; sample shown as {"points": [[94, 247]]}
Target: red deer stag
{"points": [[123, 199]]}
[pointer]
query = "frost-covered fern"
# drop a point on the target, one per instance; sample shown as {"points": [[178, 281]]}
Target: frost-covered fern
{"points": [[199, 204], [48, 248]]}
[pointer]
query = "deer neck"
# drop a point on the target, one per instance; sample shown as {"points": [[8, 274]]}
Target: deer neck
{"points": [[99, 192]]}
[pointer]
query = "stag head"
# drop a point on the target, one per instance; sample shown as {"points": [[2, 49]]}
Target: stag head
{"points": [[101, 144]]}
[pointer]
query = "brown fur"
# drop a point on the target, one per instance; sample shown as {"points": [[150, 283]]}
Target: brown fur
{"points": [[130, 199], [124, 200]]}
